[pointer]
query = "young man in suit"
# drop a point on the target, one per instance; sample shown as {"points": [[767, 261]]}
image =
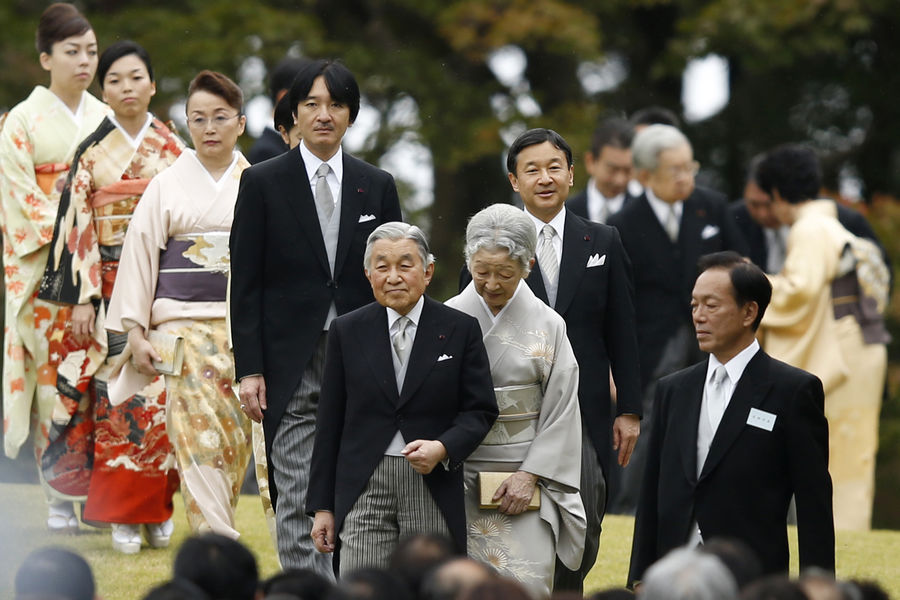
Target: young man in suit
{"points": [[406, 397], [767, 237], [609, 164], [582, 271], [735, 437], [300, 228], [665, 230]]}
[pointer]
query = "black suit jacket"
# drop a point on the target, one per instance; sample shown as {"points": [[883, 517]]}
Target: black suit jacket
{"points": [[664, 272], [281, 284], [360, 410], [578, 203], [268, 145], [598, 307], [853, 221], [749, 475]]}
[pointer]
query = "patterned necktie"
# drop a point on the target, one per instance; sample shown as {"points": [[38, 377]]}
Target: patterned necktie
{"points": [[715, 396], [401, 340], [547, 254], [323, 191], [672, 224]]}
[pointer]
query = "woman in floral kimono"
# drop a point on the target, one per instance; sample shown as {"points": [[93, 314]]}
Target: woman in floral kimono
{"points": [[133, 479], [537, 437], [37, 144], [173, 276]]}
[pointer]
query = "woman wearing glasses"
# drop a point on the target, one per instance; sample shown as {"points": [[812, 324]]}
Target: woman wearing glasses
{"points": [[172, 283]]}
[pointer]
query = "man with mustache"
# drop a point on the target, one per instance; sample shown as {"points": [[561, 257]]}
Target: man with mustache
{"points": [[300, 229]]}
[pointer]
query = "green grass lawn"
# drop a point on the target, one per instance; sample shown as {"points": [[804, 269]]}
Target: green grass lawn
{"points": [[874, 555]]}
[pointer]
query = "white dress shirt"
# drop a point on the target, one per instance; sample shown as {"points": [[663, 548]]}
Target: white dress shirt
{"points": [[661, 208], [598, 204], [335, 176], [415, 313]]}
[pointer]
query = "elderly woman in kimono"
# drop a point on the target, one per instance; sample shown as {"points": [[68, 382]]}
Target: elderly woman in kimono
{"points": [[536, 441], [133, 479], [171, 287], [817, 323], [38, 139]]}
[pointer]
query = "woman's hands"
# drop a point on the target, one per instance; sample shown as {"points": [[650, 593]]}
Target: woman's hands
{"points": [[515, 492], [82, 322], [142, 352]]}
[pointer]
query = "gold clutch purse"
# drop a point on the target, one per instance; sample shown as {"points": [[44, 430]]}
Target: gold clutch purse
{"points": [[170, 349], [489, 481]]}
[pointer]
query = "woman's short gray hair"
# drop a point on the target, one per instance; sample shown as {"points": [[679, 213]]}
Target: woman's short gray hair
{"points": [[502, 227], [650, 141], [394, 231]]}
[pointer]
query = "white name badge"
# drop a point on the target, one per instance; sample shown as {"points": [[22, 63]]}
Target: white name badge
{"points": [[762, 419]]}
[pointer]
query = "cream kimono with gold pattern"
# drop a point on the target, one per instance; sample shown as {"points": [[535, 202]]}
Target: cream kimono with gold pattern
{"points": [[184, 208], [37, 143], [538, 430]]}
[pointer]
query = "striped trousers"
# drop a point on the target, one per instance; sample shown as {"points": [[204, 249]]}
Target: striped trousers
{"points": [[290, 460], [394, 505]]}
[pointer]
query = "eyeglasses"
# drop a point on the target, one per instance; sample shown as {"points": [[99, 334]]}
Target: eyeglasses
{"points": [[216, 122], [688, 170]]}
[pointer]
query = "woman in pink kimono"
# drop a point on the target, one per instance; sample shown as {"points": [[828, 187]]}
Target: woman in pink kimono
{"points": [[536, 441], [37, 143], [172, 282], [133, 476]]}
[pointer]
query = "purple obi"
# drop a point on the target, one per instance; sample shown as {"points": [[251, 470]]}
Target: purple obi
{"points": [[194, 267]]}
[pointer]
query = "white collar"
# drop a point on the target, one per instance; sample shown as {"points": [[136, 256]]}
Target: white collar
{"points": [[414, 314], [312, 162], [661, 207], [596, 198], [134, 141], [734, 367], [558, 222], [221, 182]]}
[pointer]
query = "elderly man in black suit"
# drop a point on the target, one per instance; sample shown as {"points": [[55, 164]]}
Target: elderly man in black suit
{"points": [[665, 230], [406, 397], [609, 164], [734, 437], [767, 237], [582, 271], [300, 229]]}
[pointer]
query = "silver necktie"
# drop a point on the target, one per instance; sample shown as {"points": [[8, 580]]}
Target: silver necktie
{"points": [[672, 224], [546, 254], [715, 396], [323, 191], [401, 340]]}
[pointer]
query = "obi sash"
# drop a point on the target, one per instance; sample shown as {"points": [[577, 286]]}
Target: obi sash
{"points": [[520, 407], [46, 175], [113, 206], [194, 267]]}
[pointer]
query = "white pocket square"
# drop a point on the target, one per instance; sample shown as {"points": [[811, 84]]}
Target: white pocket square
{"points": [[364, 218], [444, 357], [596, 261], [709, 231]]}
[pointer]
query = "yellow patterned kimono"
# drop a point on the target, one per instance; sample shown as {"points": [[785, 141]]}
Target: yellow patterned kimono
{"points": [[539, 431], [172, 277], [37, 143], [125, 472], [800, 328]]}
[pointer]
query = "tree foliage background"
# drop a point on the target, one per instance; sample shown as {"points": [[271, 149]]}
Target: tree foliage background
{"points": [[822, 71]]}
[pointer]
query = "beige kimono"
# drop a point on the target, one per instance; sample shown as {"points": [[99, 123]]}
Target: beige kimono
{"points": [[799, 328], [37, 143], [539, 431], [184, 208]]}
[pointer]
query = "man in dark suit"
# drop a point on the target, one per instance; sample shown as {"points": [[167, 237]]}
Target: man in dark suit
{"points": [[407, 396], [609, 164], [586, 279], [767, 237], [735, 437], [300, 228], [270, 142], [664, 231]]}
